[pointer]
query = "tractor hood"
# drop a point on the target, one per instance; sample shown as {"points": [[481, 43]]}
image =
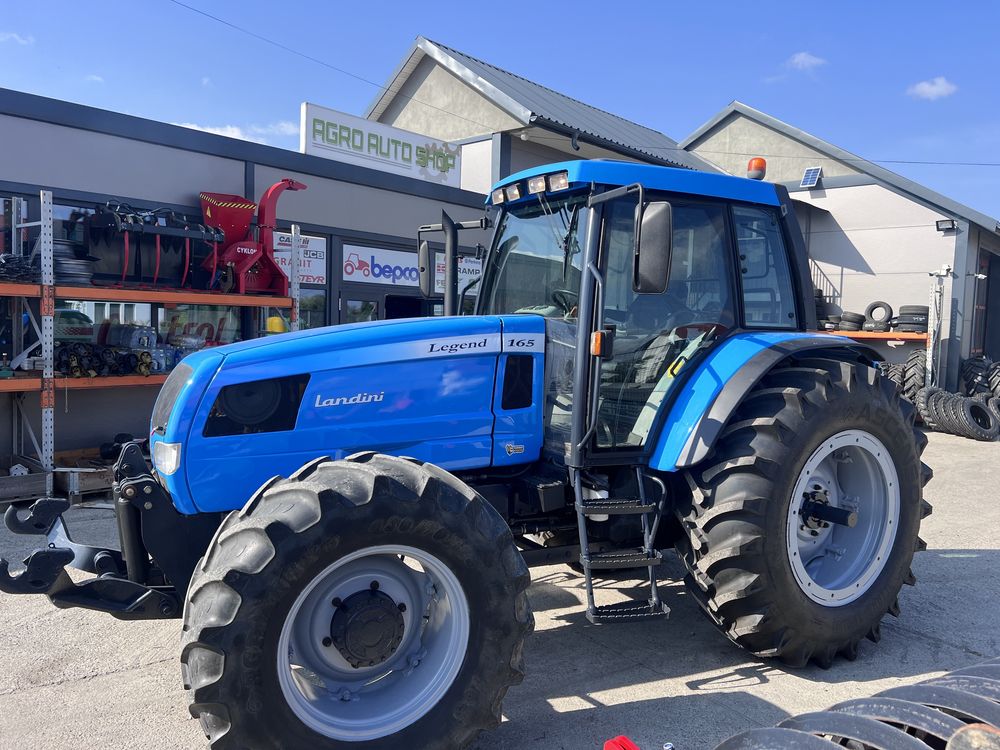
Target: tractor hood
{"points": [[431, 388]]}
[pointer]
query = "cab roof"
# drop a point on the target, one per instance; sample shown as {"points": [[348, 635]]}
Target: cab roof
{"points": [[651, 177]]}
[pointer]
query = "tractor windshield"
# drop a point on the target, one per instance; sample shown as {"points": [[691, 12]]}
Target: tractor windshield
{"points": [[536, 263]]}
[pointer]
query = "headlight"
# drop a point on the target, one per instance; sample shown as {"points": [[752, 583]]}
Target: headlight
{"points": [[559, 181], [166, 457], [513, 192], [536, 184], [498, 196]]}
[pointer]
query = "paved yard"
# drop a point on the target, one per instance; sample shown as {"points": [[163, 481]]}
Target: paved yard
{"points": [[74, 679]]}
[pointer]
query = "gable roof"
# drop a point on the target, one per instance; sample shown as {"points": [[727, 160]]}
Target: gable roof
{"points": [[533, 104], [881, 175]]}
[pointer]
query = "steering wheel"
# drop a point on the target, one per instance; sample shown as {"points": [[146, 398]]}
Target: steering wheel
{"points": [[566, 299]]}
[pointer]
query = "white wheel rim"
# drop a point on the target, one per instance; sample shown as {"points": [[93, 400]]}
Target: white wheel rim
{"points": [[835, 564], [356, 704]]}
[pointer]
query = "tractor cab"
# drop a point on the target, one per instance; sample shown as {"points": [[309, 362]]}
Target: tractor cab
{"points": [[639, 273]]}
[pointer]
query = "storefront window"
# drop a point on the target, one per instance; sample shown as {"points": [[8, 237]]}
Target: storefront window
{"points": [[312, 308], [199, 325], [358, 311]]}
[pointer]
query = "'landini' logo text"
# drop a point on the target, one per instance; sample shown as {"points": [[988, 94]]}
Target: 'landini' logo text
{"points": [[360, 398]]}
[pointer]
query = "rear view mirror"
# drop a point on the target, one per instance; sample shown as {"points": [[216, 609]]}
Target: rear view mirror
{"points": [[425, 266], [654, 236]]}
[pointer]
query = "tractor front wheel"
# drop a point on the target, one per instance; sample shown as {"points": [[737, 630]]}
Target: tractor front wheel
{"points": [[803, 522], [375, 602]]}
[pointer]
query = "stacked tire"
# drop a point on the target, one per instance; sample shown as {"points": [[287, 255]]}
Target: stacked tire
{"points": [[958, 710], [977, 418], [979, 374], [878, 317], [912, 319], [909, 376], [850, 321]]}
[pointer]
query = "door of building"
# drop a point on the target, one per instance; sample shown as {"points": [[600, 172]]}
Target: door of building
{"points": [[360, 305], [991, 306]]}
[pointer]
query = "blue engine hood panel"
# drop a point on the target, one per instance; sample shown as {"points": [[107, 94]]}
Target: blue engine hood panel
{"points": [[423, 387]]}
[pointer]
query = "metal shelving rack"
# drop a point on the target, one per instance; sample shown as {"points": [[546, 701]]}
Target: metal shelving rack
{"points": [[40, 481]]}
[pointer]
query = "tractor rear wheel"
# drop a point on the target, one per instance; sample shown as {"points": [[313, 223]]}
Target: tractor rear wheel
{"points": [[803, 521], [375, 602]]}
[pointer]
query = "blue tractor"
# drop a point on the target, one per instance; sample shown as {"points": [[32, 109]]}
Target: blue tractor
{"points": [[345, 517]]}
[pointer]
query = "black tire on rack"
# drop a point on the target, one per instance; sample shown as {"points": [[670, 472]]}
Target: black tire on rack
{"points": [[914, 374], [852, 317], [914, 310], [907, 328], [744, 569], [923, 408], [307, 548], [886, 312]]}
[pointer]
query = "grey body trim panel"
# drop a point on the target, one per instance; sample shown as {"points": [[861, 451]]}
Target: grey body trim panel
{"points": [[715, 418]]}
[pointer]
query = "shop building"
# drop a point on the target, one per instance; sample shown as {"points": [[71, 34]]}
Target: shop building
{"points": [[872, 234], [358, 216]]}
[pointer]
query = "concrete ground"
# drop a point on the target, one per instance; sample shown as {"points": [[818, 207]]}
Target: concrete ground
{"points": [[76, 679]]}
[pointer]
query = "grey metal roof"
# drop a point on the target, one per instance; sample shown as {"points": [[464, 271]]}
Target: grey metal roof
{"points": [[533, 104], [881, 175]]}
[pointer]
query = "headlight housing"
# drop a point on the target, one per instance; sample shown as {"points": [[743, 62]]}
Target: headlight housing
{"points": [[166, 457]]}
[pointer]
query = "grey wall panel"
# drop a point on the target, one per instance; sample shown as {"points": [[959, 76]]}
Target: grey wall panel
{"points": [[85, 419], [55, 156], [339, 204]]}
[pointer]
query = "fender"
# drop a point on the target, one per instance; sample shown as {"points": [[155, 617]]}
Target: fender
{"points": [[723, 380]]}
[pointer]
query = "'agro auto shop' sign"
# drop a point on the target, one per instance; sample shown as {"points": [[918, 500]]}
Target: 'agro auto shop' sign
{"points": [[375, 265], [355, 140]]}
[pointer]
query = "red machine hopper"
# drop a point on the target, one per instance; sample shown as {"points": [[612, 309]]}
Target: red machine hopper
{"points": [[246, 264]]}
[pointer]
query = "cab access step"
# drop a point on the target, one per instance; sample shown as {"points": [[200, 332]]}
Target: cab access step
{"points": [[647, 556]]}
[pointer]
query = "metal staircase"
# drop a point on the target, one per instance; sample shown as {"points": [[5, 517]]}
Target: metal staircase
{"points": [[645, 556]]}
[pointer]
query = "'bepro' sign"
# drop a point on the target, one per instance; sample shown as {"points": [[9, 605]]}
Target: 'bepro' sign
{"points": [[375, 265], [342, 137]]}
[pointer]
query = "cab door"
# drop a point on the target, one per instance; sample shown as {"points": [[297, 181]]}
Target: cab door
{"points": [[659, 337]]}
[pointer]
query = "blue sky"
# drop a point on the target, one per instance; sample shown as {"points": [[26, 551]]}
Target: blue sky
{"points": [[887, 80]]}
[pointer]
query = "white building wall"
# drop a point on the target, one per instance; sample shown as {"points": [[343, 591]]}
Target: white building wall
{"points": [[477, 166], [868, 243]]}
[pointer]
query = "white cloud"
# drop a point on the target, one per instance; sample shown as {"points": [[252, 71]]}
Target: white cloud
{"points": [[230, 131], [804, 61], [284, 127], [93, 78], [10, 36], [935, 88], [252, 133], [206, 82]]}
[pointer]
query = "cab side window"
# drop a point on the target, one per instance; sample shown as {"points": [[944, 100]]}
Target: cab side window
{"points": [[768, 291]]}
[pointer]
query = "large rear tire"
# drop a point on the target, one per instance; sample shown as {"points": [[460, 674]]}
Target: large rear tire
{"points": [[374, 603], [779, 581]]}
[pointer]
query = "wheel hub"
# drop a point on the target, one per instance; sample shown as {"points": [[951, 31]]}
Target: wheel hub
{"points": [[367, 628]]}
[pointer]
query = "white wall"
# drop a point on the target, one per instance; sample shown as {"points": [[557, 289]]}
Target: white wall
{"points": [[477, 166], [869, 243]]}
